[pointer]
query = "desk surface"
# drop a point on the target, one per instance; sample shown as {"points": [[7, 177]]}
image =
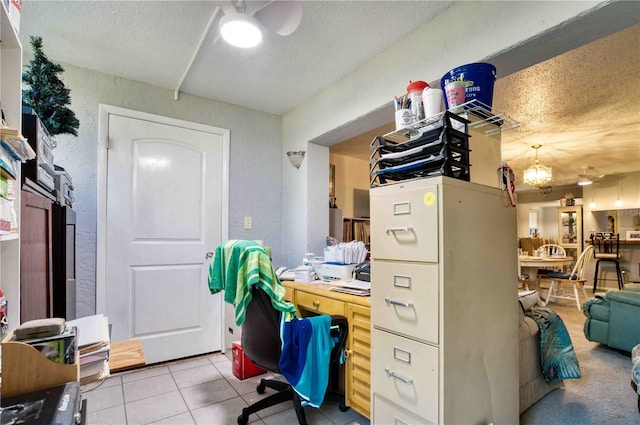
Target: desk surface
{"points": [[324, 289]]}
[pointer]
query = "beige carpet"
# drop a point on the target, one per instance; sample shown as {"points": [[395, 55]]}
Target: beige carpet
{"points": [[602, 396]]}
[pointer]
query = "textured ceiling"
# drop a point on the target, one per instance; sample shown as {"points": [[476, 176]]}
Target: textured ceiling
{"points": [[153, 42], [581, 106]]}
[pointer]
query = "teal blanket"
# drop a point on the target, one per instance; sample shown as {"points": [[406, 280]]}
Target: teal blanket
{"points": [[558, 359]]}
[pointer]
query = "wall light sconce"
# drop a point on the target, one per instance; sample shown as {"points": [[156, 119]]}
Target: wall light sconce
{"points": [[296, 158]]}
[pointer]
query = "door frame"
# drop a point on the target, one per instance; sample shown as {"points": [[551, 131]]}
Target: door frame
{"points": [[101, 241]]}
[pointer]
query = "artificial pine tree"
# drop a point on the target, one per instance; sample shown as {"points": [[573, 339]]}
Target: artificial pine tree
{"points": [[46, 93]]}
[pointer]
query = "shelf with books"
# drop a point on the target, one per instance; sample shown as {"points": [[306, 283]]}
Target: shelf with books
{"points": [[11, 95], [356, 229]]}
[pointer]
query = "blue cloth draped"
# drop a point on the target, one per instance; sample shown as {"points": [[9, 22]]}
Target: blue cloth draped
{"points": [[307, 364]]}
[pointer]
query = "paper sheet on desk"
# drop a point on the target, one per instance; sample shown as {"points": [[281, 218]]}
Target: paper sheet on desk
{"points": [[352, 283], [352, 291]]}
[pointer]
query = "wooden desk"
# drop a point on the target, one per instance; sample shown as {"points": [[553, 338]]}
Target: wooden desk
{"points": [[316, 298]]}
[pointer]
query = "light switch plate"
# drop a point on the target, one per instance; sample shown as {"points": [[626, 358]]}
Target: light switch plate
{"points": [[248, 223]]}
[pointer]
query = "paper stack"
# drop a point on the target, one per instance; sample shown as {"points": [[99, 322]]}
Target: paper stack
{"points": [[93, 344], [352, 286], [304, 274]]}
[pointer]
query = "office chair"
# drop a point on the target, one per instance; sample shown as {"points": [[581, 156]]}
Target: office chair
{"points": [[261, 343], [244, 271]]}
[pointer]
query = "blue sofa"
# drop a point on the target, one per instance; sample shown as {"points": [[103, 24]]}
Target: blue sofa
{"points": [[614, 319]]}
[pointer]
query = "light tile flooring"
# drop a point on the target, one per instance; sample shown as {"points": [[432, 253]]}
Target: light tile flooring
{"points": [[201, 390]]}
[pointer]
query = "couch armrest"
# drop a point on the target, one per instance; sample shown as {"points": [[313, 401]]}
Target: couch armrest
{"points": [[625, 297]]}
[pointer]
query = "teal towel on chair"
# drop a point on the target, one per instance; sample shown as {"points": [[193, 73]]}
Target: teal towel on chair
{"points": [[236, 267], [557, 356]]}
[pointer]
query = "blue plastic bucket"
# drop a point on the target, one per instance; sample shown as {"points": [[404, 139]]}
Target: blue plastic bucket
{"points": [[478, 78]]}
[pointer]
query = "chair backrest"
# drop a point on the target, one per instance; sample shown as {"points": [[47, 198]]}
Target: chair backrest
{"points": [[261, 331], [606, 244], [531, 244], [580, 269], [550, 249]]}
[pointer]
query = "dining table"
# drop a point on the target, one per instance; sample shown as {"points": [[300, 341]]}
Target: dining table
{"points": [[528, 261]]}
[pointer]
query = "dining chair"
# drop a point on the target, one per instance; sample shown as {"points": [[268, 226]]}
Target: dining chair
{"points": [[606, 249], [575, 278], [551, 250], [526, 244]]}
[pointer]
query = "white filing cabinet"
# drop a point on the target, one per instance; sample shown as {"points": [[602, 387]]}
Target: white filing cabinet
{"points": [[443, 304]]}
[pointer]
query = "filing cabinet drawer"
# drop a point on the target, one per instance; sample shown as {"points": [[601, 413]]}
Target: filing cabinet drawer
{"points": [[405, 372], [406, 222], [386, 412], [405, 298], [319, 304]]}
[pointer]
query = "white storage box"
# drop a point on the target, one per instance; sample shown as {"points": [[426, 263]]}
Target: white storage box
{"points": [[328, 271]]}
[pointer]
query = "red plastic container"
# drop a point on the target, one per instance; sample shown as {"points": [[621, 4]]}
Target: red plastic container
{"points": [[241, 366]]}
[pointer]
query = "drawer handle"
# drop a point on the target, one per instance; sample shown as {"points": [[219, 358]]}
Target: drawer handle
{"points": [[393, 375], [398, 303], [398, 229], [316, 303]]}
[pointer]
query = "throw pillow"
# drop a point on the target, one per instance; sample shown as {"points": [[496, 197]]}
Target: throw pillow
{"points": [[528, 299]]}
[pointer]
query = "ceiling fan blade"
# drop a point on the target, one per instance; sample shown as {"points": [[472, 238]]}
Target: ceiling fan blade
{"points": [[281, 17]]}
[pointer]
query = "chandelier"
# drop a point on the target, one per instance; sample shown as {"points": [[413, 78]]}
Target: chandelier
{"points": [[537, 174]]}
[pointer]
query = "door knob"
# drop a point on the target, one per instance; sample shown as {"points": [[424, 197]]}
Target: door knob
{"points": [[208, 255]]}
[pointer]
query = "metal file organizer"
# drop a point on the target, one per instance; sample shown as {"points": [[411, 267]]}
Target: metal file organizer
{"points": [[437, 147]]}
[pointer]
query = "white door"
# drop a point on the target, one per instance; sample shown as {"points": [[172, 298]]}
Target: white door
{"points": [[166, 204]]}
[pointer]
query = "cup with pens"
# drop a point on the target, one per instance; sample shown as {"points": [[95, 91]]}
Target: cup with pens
{"points": [[403, 112]]}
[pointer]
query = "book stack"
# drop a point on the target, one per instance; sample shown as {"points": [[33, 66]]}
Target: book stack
{"points": [[93, 345]]}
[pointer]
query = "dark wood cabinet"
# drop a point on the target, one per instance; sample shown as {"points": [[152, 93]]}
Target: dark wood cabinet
{"points": [[64, 262], [36, 300]]}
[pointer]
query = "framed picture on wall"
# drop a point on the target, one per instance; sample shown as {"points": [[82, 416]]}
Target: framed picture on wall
{"points": [[633, 235], [332, 180]]}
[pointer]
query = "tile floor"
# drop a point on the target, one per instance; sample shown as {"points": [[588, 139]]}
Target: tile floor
{"points": [[201, 390]]}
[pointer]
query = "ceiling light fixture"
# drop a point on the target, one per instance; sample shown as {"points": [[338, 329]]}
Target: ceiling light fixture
{"points": [[537, 174], [618, 202], [593, 204], [296, 158], [584, 181], [240, 30]]}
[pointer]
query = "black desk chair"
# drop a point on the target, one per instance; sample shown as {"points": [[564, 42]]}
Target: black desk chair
{"points": [[606, 249], [261, 343]]}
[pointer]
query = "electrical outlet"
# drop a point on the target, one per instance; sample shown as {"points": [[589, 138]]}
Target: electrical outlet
{"points": [[247, 223]]}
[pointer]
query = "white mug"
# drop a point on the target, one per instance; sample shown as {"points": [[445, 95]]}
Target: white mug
{"points": [[403, 118]]}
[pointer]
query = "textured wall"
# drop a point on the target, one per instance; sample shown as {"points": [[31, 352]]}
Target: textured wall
{"points": [[255, 170]]}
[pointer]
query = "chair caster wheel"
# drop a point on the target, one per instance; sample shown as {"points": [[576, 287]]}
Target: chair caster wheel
{"points": [[260, 388], [343, 408], [243, 420]]}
